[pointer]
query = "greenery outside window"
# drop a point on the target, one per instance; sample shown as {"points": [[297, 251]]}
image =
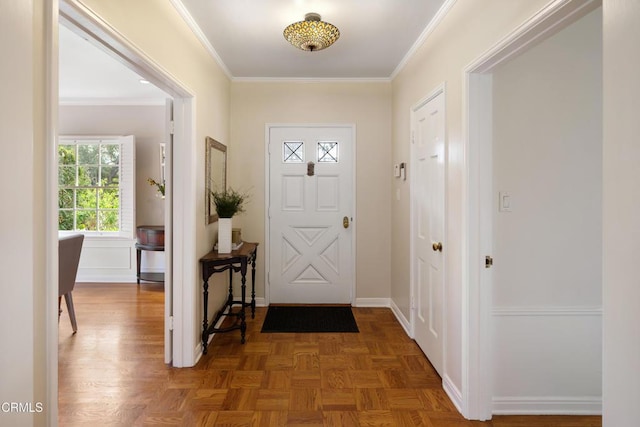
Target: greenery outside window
{"points": [[94, 179]]}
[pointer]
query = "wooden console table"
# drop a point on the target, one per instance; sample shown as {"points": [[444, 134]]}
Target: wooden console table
{"points": [[149, 238], [236, 261]]}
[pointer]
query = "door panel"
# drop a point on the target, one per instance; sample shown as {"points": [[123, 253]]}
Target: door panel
{"points": [[427, 199], [311, 255]]}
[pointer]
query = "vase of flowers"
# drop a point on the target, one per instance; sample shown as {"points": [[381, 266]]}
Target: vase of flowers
{"points": [[159, 186], [229, 202]]}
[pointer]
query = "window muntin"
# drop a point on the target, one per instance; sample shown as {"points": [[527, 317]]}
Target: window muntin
{"points": [[89, 186]]}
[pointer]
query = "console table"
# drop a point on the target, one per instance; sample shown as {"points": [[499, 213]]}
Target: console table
{"points": [[149, 238], [235, 261]]}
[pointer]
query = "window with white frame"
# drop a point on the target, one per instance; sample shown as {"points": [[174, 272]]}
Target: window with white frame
{"points": [[96, 185]]}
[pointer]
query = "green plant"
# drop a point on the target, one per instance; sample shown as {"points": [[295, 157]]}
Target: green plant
{"points": [[159, 186], [229, 202]]}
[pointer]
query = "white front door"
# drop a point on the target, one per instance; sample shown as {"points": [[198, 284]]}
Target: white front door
{"points": [[311, 199], [427, 228]]}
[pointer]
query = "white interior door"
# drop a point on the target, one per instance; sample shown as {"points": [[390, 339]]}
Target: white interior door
{"points": [[311, 199], [427, 228]]}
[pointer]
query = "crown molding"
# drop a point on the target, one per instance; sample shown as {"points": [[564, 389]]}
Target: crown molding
{"points": [[197, 31], [310, 80], [431, 26]]}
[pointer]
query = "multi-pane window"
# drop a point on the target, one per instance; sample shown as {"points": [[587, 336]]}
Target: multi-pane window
{"points": [[89, 182]]}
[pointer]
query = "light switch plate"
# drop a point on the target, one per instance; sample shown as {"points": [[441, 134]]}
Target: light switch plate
{"points": [[504, 203]]}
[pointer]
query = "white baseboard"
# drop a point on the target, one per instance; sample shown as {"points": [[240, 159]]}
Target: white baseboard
{"points": [[406, 324], [453, 392], [261, 302], [371, 302], [198, 350], [100, 278], [526, 405]]}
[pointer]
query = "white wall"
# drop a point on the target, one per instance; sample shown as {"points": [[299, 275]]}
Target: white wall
{"points": [[23, 216], [147, 124], [621, 269], [368, 106], [469, 29], [547, 154]]}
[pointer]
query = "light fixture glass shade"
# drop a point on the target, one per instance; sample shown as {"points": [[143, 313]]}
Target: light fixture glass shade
{"points": [[311, 34]]}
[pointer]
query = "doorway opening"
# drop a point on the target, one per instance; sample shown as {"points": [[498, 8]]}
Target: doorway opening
{"points": [[179, 214], [482, 203]]}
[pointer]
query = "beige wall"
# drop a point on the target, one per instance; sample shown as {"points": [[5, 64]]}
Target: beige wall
{"points": [[621, 196], [468, 30], [23, 217], [368, 106]]}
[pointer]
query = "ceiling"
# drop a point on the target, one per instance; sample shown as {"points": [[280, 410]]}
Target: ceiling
{"points": [[375, 35], [246, 36], [87, 74]]}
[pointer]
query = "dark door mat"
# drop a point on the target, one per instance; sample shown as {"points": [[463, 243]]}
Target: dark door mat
{"points": [[309, 319]]}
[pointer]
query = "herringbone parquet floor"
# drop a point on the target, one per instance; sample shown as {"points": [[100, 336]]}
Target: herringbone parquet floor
{"points": [[111, 373]]}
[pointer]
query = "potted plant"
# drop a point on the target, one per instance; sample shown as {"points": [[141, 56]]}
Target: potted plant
{"points": [[229, 202]]}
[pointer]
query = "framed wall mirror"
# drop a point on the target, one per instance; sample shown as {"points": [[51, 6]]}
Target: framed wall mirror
{"points": [[215, 175]]}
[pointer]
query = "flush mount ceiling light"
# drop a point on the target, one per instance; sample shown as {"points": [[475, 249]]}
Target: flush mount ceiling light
{"points": [[311, 34]]}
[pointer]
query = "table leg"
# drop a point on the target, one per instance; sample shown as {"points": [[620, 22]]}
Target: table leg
{"points": [[205, 326], [243, 321], [230, 296], [138, 259], [253, 285]]}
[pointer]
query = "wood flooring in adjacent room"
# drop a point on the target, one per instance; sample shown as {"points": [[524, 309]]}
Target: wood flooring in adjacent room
{"points": [[111, 373]]}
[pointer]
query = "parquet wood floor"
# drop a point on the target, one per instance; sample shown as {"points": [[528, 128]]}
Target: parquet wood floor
{"points": [[111, 373]]}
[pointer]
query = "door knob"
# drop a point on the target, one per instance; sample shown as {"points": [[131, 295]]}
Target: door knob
{"points": [[437, 246], [345, 222]]}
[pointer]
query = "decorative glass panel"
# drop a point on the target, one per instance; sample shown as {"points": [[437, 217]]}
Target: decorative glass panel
{"points": [[293, 152], [327, 152]]}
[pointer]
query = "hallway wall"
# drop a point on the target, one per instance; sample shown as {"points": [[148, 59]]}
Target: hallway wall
{"points": [[469, 29], [368, 106]]}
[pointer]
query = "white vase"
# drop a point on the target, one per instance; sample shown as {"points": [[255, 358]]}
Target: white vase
{"points": [[224, 235]]}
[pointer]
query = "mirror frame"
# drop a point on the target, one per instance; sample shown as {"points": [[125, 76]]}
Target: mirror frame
{"points": [[216, 159]]}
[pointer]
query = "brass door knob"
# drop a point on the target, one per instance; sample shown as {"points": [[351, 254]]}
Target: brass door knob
{"points": [[345, 222], [437, 247]]}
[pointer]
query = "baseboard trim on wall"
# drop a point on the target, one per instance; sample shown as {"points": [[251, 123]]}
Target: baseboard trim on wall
{"points": [[404, 322], [548, 311], [531, 405], [261, 302], [453, 392], [371, 302], [101, 278]]}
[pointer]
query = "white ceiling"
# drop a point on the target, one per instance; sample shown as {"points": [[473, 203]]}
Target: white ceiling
{"points": [[375, 35], [246, 36], [89, 75]]}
